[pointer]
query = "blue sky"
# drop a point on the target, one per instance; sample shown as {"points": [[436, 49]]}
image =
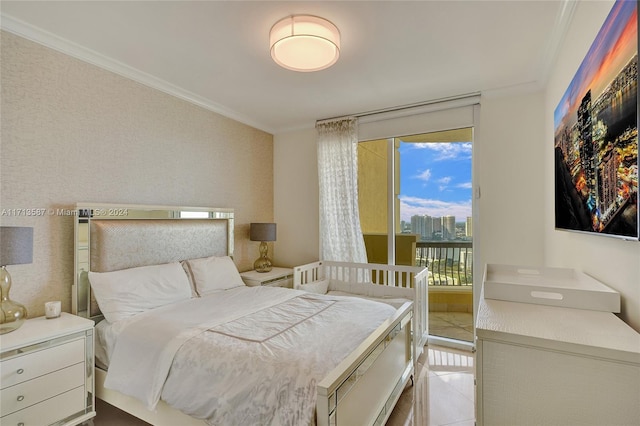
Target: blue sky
{"points": [[435, 179]]}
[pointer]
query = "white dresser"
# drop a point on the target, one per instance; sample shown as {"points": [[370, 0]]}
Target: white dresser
{"points": [[47, 372], [549, 365]]}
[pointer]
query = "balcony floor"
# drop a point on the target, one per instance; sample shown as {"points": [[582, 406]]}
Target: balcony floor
{"points": [[452, 325]]}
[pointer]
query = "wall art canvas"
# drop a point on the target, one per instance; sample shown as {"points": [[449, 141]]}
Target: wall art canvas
{"points": [[596, 134]]}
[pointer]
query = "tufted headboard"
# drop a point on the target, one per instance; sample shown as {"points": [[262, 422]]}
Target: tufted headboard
{"points": [[112, 237]]}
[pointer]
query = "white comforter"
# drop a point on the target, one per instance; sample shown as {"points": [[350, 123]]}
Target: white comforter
{"points": [[246, 356]]}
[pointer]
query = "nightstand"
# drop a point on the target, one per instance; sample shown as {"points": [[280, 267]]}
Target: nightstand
{"points": [[277, 277], [47, 372]]}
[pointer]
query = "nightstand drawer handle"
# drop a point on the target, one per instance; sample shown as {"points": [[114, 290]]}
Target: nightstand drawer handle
{"points": [[21, 398], [20, 370], [20, 424]]}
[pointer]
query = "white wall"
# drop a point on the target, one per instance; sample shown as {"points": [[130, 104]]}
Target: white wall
{"points": [[612, 261], [295, 176], [509, 159]]}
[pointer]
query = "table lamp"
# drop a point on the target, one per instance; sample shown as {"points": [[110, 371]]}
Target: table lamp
{"points": [[263, 232], [16, 247]]}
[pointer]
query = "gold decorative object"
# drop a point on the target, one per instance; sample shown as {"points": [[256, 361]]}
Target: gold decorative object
{"points": [[16, 247]]}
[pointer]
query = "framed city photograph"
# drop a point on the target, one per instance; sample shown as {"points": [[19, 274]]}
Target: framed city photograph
{"points": [[596, 134]]}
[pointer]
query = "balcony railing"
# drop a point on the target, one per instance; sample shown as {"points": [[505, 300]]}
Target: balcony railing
{"points": [[450, 263]]}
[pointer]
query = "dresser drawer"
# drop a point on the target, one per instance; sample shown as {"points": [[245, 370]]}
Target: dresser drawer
{"points": [[34, 364], [277, 277], [280, 282], [25, 394], [58, 408]]}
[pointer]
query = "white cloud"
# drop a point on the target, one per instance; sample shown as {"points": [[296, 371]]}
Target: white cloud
{"points": [[425, 176], [448, 150], [465, 185], [411, 206], [444, 183]]}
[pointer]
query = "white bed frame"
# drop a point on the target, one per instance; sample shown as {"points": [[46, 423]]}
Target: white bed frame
{"points": [[361, 390]]}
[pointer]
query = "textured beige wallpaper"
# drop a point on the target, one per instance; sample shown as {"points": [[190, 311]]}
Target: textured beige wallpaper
{"points": [[73, 132]]}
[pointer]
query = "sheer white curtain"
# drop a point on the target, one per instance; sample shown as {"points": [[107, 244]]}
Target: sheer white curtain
{"points": [[340, 233]]}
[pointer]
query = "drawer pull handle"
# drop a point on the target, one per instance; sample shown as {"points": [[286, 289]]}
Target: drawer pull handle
{"points": [[20, 424], [20, 370], [21, 398]]}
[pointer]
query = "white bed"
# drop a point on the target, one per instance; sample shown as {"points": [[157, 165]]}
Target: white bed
{"points": [[283, 373]]}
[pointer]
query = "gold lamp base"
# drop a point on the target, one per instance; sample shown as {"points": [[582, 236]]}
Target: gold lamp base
{"points": [[263, 263], [12, 317], [12, 314]]}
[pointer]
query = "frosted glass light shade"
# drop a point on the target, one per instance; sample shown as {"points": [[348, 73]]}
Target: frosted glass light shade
{"points": [[304, 43]]}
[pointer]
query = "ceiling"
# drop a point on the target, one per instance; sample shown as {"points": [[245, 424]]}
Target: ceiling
{"points": [[393, 53]]}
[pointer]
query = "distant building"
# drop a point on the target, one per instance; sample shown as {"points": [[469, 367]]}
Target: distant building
{"points": [[425, 226], [468, 227], [417, 225], [436, 223], [448, 227]]}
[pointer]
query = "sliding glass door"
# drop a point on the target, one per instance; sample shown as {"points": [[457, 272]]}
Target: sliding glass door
{"points": [[415, 200]]}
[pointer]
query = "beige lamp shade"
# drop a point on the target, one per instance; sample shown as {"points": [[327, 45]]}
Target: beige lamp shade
{"points": [[304, 43]]}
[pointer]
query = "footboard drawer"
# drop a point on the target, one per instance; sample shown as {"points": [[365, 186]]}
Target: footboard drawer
{"points": [[373, 376]]}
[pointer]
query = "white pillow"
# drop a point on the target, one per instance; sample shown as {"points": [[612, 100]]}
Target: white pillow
{"points": [[320, 287], [127, 292], [211, 274]]}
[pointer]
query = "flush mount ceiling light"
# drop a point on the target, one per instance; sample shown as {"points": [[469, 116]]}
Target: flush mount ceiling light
{"points": [[304, 43]]}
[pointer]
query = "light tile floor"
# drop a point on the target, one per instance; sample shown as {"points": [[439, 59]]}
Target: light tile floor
{"points": [[453, 325], [443, 392]]}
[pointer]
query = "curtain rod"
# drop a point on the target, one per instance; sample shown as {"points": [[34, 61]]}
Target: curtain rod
{"points": [[399, 108]]}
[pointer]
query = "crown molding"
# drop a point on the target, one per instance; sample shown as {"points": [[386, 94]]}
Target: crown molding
{"points": [[52, 41], [556, 39], [514, 90], [547, 60]]}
